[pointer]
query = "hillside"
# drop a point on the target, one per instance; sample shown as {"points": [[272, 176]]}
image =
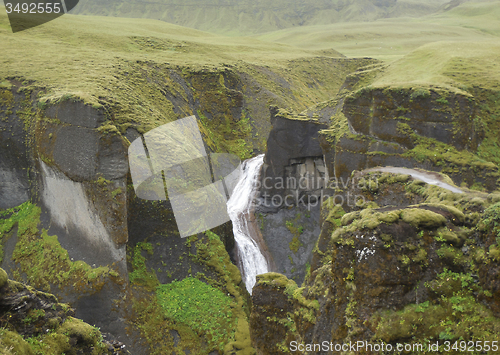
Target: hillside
{"points": [[74, 94], [341, 89], [236, 17], [389, 39]]}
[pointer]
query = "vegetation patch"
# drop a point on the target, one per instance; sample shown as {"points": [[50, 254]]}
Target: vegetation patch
{"points": [[452, 314], [193, 302], [421, 218], [42, 258], [491, 219], [140, 274]]}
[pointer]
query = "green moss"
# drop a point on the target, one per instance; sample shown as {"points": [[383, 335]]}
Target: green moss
{"points": [[58, 340], [140, 275], [446, 235], [387, 178], [76, 328], [454, 315], [192, 302], [459, 216], [442, 101], [494, 252], [295, 244], [13, 344], [294, 227], [41, 256], [3, 278], [34, 315], [451, 254], [242, 340], [422, 218], [335, 213], [305, 308], [491, 218], [368, 219], [369, 185], [446, 155], [275, 279], [338, 128], [421, 256], [214, 255], [389, 217], [349, 217]]}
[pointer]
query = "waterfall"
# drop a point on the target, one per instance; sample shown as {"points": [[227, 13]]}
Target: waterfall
{"points": [[250, 257]]}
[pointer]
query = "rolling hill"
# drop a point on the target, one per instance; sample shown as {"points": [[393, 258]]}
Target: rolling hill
{"points": [[237, 17]]}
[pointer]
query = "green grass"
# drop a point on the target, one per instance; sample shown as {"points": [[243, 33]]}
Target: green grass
{"points": [[457, 66], [129, 68], [201, 307], [389, 39], [140, 274], [233, 17]]}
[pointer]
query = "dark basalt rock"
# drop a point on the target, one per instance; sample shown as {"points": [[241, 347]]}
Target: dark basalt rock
{"points": [[368, 272], [76, 113], [14, 154], [447, 117], [31, 313], [293, 156]]}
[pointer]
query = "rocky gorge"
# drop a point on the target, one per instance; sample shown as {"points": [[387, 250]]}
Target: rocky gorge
{"points": [[355, 253]]}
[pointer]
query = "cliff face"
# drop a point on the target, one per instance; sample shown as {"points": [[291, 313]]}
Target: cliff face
{"points": [[293, 164], [396, 260], [34, 321], [434, 129], [412, 271], [72, 225]]}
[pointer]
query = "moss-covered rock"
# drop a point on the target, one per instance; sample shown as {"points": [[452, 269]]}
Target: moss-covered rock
{"points": [[13, 343], [422, 218], [280, 313], [33, 322], [3, 278], [393, 268]]}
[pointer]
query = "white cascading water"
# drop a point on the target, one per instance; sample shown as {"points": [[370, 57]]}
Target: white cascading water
{"points": [[239, 207]]}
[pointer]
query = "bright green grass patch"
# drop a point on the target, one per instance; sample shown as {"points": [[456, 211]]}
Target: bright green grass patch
{"points": [[201, 307]]}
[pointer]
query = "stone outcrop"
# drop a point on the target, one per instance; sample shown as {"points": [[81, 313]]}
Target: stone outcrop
{"points": [[430, 128], [27, 314], [397, 273], [396, 260], [293, 164], [442, 115], [77, 173]]}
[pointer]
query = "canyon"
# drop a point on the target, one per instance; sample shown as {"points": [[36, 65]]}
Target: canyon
{"points": [[367, 207]]}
